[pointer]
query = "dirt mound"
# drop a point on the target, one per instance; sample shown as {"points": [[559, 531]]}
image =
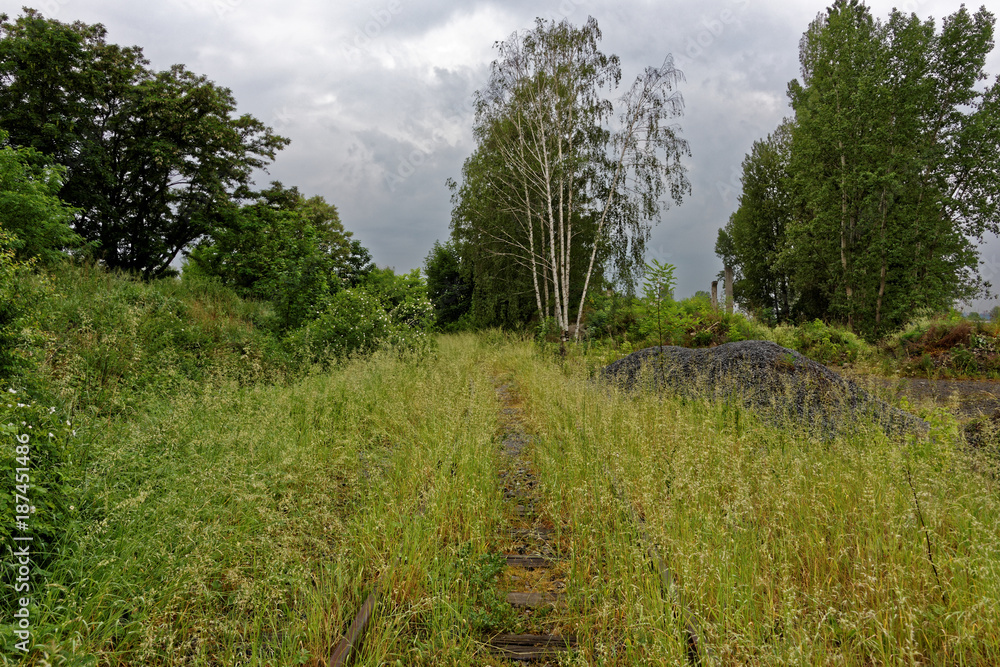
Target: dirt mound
{"points": [[780, 384]]}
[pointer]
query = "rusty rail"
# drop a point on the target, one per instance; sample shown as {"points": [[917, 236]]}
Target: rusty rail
{"points": [[342, 653], [698, 652]]}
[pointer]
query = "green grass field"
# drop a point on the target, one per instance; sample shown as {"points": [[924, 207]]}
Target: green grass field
{"points": [[245, 525]]}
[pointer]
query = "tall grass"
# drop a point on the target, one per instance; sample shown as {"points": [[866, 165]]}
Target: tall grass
{"points": [[111, 340], [231, 525], [240, 524], [792, 551]]}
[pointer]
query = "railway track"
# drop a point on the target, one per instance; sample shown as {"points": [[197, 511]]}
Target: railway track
{"points": [[534, 558]]}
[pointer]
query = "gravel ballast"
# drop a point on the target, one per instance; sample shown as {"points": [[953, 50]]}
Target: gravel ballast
{"points": [[777, 383]]}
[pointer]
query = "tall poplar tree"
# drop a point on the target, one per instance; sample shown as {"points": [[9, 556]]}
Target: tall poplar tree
{"points": [[894, 156], [894, 166], [754, 238]]}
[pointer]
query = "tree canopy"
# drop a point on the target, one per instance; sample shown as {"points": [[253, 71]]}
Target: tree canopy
{"points": [[280, 247], [890, 176], [754, 237], [29, 208], [152, 158], [448, 284]]}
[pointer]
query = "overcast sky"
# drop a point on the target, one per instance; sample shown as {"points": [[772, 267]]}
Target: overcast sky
{"points": [[376, 96]]}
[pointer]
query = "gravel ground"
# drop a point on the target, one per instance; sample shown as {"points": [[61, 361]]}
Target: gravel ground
{"points": [[966, 399], [780, 384]]}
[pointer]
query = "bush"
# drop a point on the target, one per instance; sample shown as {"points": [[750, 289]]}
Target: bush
{"points": [[38, 220], [947, 343], [358, 321], [823, 343]]}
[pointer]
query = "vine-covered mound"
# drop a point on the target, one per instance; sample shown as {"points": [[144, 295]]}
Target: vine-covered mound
{"points": [[779, 384]]}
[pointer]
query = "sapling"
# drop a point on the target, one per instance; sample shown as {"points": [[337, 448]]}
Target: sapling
{"points": [[658, 287]]}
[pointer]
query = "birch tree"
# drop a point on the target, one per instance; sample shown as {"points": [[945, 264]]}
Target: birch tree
{"points": [[571, 177]]}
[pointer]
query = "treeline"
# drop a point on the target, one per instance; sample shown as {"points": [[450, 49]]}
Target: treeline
{"points": [[866, 206], [106, 160]]}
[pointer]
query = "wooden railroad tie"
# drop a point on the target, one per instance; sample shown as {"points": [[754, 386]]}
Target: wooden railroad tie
{"points": [[526, 648], [528, 562]]}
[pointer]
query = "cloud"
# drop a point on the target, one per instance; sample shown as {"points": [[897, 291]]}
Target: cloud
{"points": [[376, 95]]}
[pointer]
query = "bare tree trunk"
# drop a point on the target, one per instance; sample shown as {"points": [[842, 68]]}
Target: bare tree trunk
{"points": [[563, 251], [843, 238], [554, 264], [881, 280], [729, 289], [715, 295], [531, 226], [553, 245]]}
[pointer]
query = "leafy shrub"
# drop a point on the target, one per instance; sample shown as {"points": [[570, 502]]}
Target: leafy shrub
{"points": [[360, 322], [38, 220], [823, 343], [404, 296], [737, 327], [948, 344]]}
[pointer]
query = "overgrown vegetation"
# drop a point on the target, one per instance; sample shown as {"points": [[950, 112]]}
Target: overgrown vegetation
{"points": [[246, 524], [217, 466], [789, 550], [228, 524], [85, 351]]}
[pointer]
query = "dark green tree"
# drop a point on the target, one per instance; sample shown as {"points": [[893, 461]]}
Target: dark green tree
{"points": [[356, 266], [449, 285], [505, 289], [152, 158], [894, 157], [756, 231], [891, 173], [283, 248], [29, 208], [755, 234]]}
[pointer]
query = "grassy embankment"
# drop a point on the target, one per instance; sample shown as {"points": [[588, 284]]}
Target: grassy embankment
{"points": [[218, 504], [232, 520]]}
